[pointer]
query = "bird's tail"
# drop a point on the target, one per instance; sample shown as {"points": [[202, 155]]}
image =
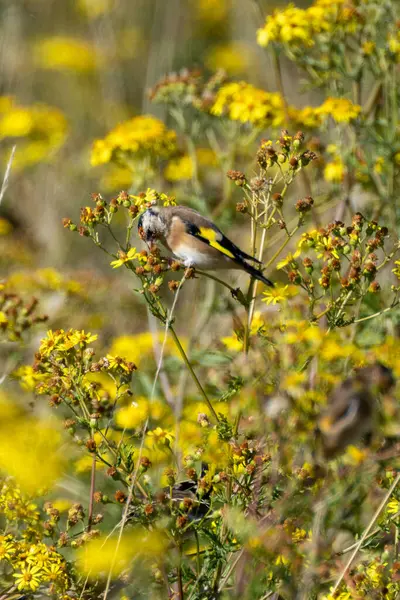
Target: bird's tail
{"points": [[256, 273]]}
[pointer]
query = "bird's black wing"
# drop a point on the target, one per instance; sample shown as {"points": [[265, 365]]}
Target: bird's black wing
{"points": [[211, 235]]}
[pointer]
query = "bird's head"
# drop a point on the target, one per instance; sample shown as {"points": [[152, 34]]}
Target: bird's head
{"points": [[151, 225]]}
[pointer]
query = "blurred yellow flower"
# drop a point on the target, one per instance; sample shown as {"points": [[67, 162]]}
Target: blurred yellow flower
{"points": [[136, 139], [305, 117], [18, 122], [341, 110], [212, 11], [94, 8], [40, 129], [355, 456], [334, 171], [241, 101], [61, 53], [161, 436], [30, 452], [116, 178], [137, 348], [108, 555], [368, 47], [132, 416], [180, 169], [234, 58], [5, 226]]}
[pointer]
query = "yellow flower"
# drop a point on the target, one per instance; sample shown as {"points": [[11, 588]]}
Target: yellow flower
{"points": [[240, 101], [5, 226], [181, 169], [277, 294], [379, 164], [101, 556], [289, 259], [63, 53], [355, 456], [212, 11], [393, 507], [232, 343], [334, 171], [368, 48], [161, 436], [297, 27], [54, 572], [281, 560], [396, 270], [29, 578], [305, 117], [48, 344], [94, 8], [18, 122], [139, 348], [36, 461], [139, 138], [116, 178], [124, 258], [233, 58], [41, 130], [7, 549], [341, 110]]}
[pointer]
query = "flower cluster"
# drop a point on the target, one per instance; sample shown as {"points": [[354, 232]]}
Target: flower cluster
{"points": [[140, 138], [350, 264], [59, 53], [40, 130], [17, 316], [180, 169], [240, 101], [298, 27]]}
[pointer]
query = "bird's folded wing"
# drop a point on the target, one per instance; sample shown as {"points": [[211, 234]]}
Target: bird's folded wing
{"points": [[216, 239]]}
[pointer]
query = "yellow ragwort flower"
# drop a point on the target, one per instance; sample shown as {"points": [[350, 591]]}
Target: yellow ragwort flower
{"points": [[136, 139], [299, 28], [124, 257], [62, 53], [181, 169], [334, 171], [277, 294], [341, 110], [241, 101], [29, 578]]}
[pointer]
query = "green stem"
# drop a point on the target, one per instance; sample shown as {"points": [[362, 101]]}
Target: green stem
{"points": [[193, 374], [215, 278], [285, 243], [377, 314]]}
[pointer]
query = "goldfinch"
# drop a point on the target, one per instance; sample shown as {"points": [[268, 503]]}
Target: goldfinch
{"points": [[352, 408], [195, 240]]}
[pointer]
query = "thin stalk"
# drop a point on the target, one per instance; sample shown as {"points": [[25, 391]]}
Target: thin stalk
{"points": [[180, 584], [285, 243], [192, 373], [365, 534], [215, 278], [377, 314], [91, 493]]}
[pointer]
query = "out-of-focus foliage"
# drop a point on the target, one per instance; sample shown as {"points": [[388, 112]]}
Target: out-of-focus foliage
{"points": [[172, 433]]}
